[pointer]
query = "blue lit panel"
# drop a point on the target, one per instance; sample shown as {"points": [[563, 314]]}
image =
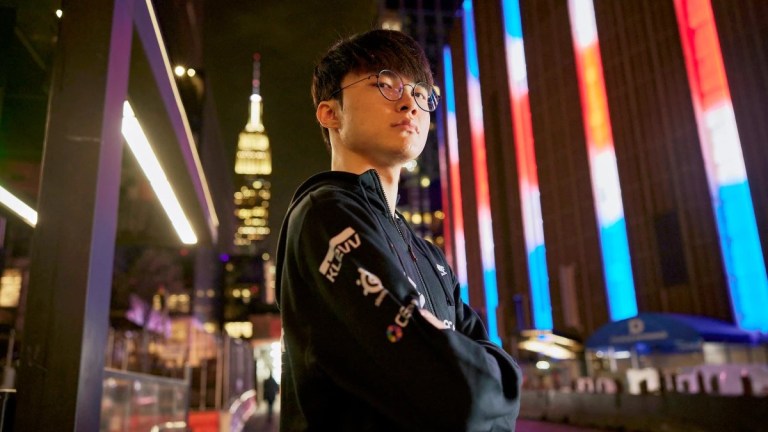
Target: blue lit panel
{"points": [[480, 166]]}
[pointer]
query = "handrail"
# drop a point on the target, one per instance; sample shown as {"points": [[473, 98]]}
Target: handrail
{"points": [[241, 410], [117, 373]]}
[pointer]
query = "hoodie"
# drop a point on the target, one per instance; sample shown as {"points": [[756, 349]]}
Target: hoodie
{"points": [[357, 354]]}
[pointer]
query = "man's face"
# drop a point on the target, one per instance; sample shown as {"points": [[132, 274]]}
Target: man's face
{"points": [[383, 132]]}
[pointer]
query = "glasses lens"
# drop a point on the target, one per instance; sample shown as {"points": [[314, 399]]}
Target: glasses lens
{"points": [[390, 85], [426, 96]]}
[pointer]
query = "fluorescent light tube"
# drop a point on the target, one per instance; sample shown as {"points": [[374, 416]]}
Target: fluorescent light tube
{"points": [[142, 150], [18, 206]]}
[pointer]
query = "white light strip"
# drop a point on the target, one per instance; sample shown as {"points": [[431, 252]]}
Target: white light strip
{"points": [[548, 349], [18, 206], [142, 150], [214, 221]]}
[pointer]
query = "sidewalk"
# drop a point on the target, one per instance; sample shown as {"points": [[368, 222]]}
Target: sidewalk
{"points": [[260, 423]]}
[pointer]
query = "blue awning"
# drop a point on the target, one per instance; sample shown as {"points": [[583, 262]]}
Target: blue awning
{"points": [[667, 332]]}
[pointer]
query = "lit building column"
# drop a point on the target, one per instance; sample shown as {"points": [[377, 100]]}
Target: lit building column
{"points": [[606, 187], [724, 163], [528, 178], [480, 166], [455, 216], [463, 186]]}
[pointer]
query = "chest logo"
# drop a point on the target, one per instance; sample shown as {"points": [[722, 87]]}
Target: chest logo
{"points": [[338, 246], [441, 269]]}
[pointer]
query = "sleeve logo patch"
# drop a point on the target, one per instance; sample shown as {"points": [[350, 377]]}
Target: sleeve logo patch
{"points": [[338, 246], [371, 285], [441, 269], [394, 333], [404, 315]]}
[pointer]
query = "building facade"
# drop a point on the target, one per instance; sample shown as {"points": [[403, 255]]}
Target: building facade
{"points": [[608, 190]]}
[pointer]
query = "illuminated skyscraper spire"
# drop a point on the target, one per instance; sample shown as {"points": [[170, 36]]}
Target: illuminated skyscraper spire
{"points": [[253, 154], [254, 166], [254, 119]]}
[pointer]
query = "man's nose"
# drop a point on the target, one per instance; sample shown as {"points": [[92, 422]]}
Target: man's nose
{"points": [[408, 102]]}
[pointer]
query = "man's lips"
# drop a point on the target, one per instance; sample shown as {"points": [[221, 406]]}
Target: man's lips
{"points": [[407, 125]]}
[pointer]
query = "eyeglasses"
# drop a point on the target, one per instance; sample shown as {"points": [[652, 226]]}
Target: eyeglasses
{"points": [[391, 86]]}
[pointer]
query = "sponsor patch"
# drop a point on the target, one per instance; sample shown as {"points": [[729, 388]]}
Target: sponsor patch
{"points": [[441, 269], [394, 333], [371, 285], [404, 315], [339, 245]]}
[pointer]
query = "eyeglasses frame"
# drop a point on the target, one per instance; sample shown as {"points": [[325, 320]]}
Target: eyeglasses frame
{"points": [[413, 88]]}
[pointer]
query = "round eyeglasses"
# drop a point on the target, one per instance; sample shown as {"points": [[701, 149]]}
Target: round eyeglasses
{"points": [[391, 86]]}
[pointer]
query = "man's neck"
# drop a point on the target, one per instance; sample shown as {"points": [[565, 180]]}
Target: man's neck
{"points": [[389, 175]]}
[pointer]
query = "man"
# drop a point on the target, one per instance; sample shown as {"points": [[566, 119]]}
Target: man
{"points": [[376, 336]]}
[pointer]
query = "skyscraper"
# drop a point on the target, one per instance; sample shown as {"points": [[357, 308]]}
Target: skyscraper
{"points": [[253, 166]]}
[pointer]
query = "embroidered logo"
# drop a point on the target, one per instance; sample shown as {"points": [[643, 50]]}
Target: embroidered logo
{"points": [[371, 285], [441, 269], [404, 315], [338, 246], [421, 296], [394, 333]]}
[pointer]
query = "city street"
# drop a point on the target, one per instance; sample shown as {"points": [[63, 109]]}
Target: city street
{"points": [[259, 423]]}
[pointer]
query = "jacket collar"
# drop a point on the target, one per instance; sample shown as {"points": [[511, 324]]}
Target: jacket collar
{"points": [[368, 181]]}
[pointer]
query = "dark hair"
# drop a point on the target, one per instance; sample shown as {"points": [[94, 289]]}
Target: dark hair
{"points": [[371, 51]]}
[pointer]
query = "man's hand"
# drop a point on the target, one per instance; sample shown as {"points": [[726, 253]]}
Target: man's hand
{"points": [[433, 319]]}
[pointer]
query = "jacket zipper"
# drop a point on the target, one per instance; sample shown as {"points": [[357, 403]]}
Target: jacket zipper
{"points": [[380, 189]]}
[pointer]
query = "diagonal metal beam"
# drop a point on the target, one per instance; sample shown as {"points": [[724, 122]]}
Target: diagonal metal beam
{"points": [[149, 34]]}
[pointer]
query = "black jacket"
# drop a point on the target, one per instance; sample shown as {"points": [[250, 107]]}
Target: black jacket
{"points": [[357, 353]]}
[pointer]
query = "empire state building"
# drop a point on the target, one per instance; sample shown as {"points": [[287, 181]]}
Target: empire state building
{"points": [[253, 166]]}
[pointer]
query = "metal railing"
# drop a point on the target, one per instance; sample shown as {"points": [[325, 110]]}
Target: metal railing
{"points": [[135, 401]]}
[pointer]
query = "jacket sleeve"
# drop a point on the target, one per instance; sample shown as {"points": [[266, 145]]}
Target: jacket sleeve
{"points": [[469, 324], [368, 336]]}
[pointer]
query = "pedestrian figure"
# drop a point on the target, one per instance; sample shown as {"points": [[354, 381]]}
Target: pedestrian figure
{"points": [[271, 388]]}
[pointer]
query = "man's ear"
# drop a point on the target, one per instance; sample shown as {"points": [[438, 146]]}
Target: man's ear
{"points": [[326, 114]]}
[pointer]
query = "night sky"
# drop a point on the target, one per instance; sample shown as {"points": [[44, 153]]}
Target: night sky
{"points": [[291, 36]]}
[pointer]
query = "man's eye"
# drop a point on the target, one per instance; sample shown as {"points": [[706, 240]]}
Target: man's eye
{"points": [[385, 86]]}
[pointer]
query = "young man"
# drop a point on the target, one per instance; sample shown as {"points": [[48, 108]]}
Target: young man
{"points": [[376, 337]]}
